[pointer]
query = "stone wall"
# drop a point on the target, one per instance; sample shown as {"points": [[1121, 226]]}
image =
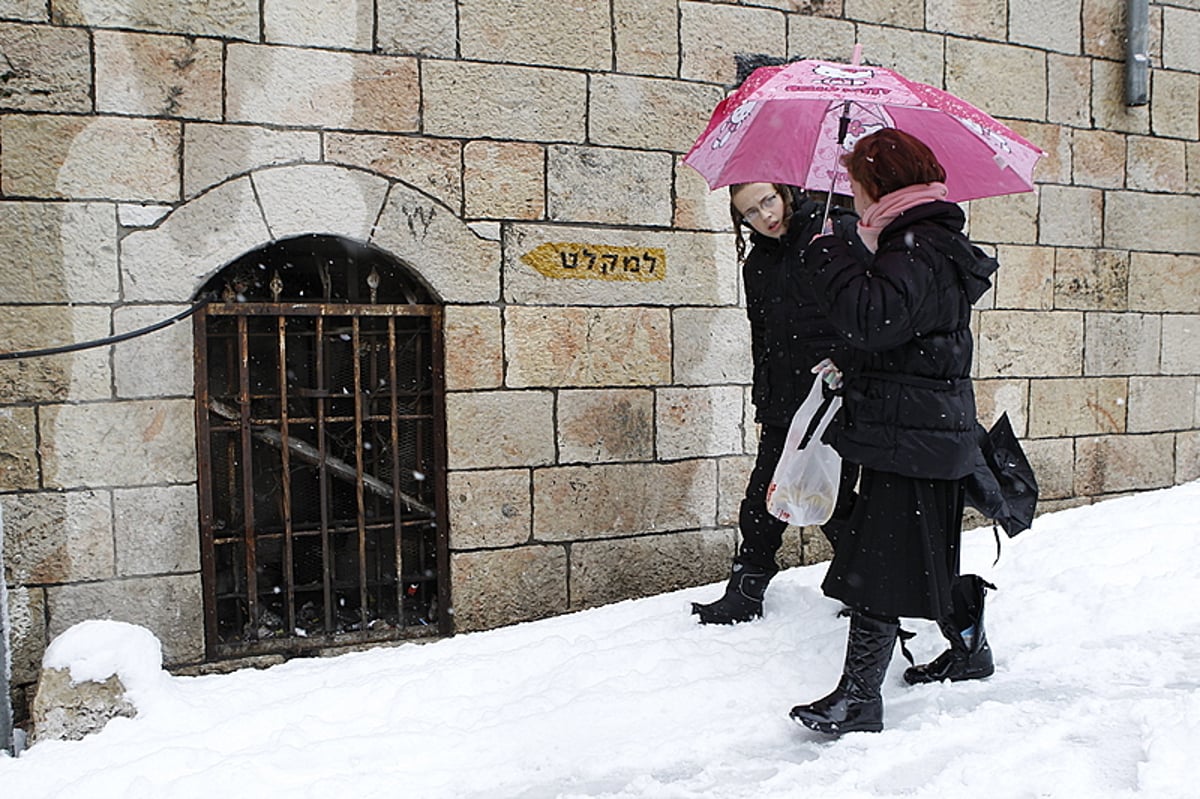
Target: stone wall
{"points": [[599, 432]]}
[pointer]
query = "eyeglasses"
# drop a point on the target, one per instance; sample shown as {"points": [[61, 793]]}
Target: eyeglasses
{"points": [[769, 204]]}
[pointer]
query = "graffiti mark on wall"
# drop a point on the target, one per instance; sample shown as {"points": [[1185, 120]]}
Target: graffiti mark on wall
{"points": [[558, 259]]}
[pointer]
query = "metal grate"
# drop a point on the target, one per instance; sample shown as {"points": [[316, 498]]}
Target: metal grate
{"points": [[320, 444]]}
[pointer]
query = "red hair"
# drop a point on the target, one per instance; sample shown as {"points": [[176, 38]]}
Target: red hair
{"points": [[891, 159]]}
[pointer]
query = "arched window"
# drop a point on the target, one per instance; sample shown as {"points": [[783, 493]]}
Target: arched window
{"points": [[320, 437]]}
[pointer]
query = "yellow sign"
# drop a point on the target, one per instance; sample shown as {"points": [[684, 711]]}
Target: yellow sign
{"points": [[561, 259]]}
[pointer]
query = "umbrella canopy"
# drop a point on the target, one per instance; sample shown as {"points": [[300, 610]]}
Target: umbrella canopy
{"points": [[791, 123], [1003, 486]]}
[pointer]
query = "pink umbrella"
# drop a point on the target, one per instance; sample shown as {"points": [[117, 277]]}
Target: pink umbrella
{"points": [[791, 123]]}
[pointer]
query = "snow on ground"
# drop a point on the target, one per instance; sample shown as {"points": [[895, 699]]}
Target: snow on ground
{"points": [[1096, 631]]}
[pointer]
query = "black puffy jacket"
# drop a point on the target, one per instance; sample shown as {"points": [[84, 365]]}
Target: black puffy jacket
{"points": [[788, 332], [908, 404]]}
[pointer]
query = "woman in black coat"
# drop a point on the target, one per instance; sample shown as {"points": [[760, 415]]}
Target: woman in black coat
{"points": [[788, 336], [908, 418]]}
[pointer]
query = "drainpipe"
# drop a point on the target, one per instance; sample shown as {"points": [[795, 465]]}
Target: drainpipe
{"points": [[6, 711], [1137, 59]]}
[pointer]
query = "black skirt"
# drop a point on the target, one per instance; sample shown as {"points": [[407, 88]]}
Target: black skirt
{"points": [[898, 555]]}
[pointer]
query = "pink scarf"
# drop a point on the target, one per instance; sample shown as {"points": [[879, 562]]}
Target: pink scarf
{"points": [[881, 213]]}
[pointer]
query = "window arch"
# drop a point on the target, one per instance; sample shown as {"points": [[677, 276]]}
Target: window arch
{"points": [[320, 436]]}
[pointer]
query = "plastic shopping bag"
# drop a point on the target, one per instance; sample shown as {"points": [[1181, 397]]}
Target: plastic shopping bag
{"points": [[804, 487]]}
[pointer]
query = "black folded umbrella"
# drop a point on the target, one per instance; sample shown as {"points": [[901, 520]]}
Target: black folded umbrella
{"points": [[1002, 486]]}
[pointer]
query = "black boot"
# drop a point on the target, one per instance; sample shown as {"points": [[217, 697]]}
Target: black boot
{"points": [[743, 599], [969, 657], [856, 705]]}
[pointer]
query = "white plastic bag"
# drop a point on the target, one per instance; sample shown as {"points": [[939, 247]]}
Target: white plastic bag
{"points": [[804, 487]]}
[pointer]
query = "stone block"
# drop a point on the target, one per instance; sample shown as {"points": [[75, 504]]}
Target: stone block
{"points": [[914, 54], [1161, 403], [1098, 159], [904, 15], [711, 35], [66, 710], [821, 37], [1030, 343], [572, 503], [552, 103], [1181, 344], [1055, 140], [141, 74], [170, 606], [1069, 83], [1181, 39], [995, 397], [214, 153], [90, 158], [1164, 282], [428, 165], [489, 509], [733, 475], [460, 266], [157, 364], [603, 426], [18, 449], [321, 89], [157, 530], [610, 571], [1158, 165], [1025, 280], [318, 198], [170, 262], [58, 253], [712, 345], [536, 32], [75, 376], [699, 268], [504, 180], [1091, 280], [121, 444], [609, 186], [226, 19], [47, 69], [1104, 29], [1193, 160], [696, 207], [1077, 407], [1011, 219], [502, 587], [58, 537], [1053, 462], [418, 27], [1187, 457], [140, 215], [1106, 464], [1109, 111], [698, 422], [979, 19], [1046, 24], [1129, 222], [1071, 216], [813, 547], [341, 24], [648, 113], [28, 10], [474, 347], [499, 429], [1007, 80], [1121, 344], [585, 347], [27, 628], [1175, 104], [639, 51]]}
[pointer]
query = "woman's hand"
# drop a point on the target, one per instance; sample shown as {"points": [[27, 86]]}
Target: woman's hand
{"points": [[827, 370]]}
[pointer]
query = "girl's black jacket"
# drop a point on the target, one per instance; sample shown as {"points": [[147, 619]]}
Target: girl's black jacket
{"points": [[908, 405], [788, 332]]}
